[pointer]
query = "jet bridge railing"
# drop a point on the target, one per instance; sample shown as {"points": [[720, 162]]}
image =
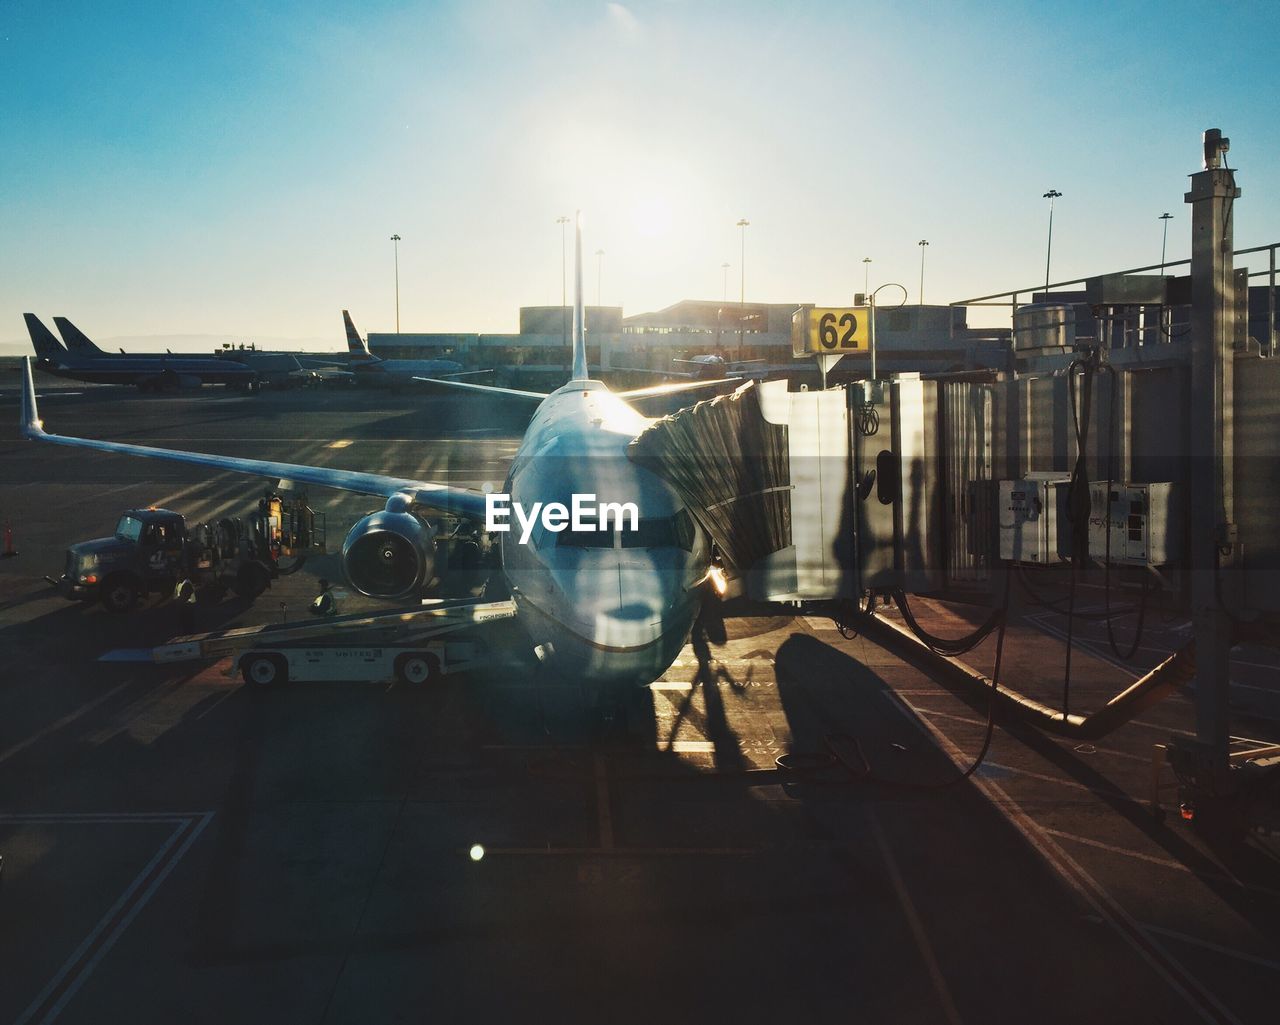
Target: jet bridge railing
{"points": [[1015, 297]]}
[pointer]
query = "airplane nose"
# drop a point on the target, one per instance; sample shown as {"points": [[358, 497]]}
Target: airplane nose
{"points": [[645, 598]]}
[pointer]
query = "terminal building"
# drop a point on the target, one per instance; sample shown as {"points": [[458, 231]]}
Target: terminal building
{"points": [[908, 338]]}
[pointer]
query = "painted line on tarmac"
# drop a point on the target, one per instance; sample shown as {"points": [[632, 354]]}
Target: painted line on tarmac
{"points": [[1172, 863], [688, 747], [1209, 945], [53, 727], [983, 725], [1187, 986], [58, 992], [913, 922]]}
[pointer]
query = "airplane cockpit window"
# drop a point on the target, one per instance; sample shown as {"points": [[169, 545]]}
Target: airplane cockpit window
{"points": [[662, 532], [588, 538]]}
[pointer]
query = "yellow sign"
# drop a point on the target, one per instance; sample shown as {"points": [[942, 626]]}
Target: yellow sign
{"points": [[834, 331]]}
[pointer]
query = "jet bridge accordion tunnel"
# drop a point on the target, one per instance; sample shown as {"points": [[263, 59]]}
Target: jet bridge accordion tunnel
{"points": [[908, 486], [811, 495]]}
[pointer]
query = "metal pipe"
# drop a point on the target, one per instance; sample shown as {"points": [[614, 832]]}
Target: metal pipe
{"points": [[1174, 673]]}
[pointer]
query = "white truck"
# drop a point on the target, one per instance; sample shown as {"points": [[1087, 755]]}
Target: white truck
{"points": [[416, 645]]}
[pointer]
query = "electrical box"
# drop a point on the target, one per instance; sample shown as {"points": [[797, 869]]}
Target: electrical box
{"points": [[1144, 522], [1031, 510]]}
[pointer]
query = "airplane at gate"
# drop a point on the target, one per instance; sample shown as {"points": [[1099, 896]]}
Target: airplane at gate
{"points": [[612, 607]]}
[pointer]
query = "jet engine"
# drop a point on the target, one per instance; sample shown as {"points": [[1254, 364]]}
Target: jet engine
{"points": [[390, 553]]}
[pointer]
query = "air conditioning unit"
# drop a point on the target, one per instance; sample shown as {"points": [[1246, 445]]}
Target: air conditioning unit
{"points": [[1031, 512], [1144, 521]]}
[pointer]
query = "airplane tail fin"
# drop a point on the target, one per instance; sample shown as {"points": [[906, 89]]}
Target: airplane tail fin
{"points": [[46, 345], [77, 340], [580, 372], [356, 346], [29, 425]]}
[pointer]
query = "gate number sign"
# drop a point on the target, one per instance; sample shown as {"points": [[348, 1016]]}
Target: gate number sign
{"points": [[824, 329]]}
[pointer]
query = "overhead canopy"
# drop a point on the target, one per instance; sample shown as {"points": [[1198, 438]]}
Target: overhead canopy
{"points": [[731, 468]]}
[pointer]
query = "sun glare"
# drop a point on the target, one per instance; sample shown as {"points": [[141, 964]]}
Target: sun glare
{"points": [[652, 217]]}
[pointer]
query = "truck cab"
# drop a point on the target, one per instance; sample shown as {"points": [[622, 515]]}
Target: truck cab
{"points": [[152, 549], [146, 552]]}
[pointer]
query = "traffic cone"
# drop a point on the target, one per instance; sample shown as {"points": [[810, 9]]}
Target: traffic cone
{"points": [[8, 552]]}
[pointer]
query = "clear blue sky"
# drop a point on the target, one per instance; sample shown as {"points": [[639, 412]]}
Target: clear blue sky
{"points": [[238, 168]]}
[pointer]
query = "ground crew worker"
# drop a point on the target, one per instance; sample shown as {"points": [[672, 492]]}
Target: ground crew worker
{"points": [[185, 595], [325, 604]]}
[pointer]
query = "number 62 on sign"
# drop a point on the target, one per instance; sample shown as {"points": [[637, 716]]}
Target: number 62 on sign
{"points": [[824, 329]]}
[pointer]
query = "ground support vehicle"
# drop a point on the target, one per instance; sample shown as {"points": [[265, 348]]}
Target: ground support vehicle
{"points": [[414, 645], [152, 549]]}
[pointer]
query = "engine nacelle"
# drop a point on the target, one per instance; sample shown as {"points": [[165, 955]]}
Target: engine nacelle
{"points": [[390, 553]]}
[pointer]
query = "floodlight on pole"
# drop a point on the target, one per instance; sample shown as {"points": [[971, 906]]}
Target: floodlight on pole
{"points": [[923, 244], [1166, 217], [395, 243], [866, 275], [1051, 195], [743, 223]]}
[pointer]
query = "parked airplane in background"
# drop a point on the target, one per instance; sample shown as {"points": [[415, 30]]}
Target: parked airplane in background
{"points": [[706, 367], [146, 372], [611, 607], [277, 368], [371, 369]]}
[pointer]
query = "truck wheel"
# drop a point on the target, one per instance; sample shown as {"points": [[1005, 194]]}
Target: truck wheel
{"points": [[119, 593], [264, 669], [251, 580], [417, 667]]}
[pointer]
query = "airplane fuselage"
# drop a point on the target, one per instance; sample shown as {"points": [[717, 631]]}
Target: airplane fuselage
{"points": [[144, 370], [614, 607], [401, 371]]}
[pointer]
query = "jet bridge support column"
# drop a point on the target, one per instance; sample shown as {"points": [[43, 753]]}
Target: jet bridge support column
{"points": [[1214, 549]]}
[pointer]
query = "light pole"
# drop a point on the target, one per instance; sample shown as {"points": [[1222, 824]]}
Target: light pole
{"points": [[1165, 316], [1051, 195], [866, 275], [923, 243], [564, 286], [395, 243], [742, 294], [724, 292], [599, 273]]}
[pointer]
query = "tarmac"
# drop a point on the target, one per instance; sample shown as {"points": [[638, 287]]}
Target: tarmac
{"points": [[179, 847]]}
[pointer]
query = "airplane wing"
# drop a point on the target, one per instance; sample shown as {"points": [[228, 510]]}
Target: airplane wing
{"points": [[444, 497], [489, 389], [669, 389], [646, 370]]}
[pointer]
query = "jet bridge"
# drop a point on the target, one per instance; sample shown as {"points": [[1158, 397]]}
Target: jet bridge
{"points": [[810, 495]]}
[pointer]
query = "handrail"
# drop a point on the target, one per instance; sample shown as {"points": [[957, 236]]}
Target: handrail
{"points": [[1014, 292]]}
